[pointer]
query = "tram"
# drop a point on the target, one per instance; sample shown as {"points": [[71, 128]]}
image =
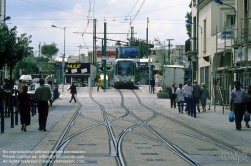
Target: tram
{"points": [[122, 73]]}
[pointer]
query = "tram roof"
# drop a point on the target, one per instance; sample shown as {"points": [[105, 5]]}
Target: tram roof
{"points": [[173, 66], [124, 59]]}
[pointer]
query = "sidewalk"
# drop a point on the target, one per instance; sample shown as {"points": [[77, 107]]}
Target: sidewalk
{"points": [[211, 119], [13, 139]]}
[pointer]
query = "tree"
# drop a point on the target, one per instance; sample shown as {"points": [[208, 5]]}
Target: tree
{"points": [[189, 17], [14, 48], [142, 49], [49, 50], [27, 65]]}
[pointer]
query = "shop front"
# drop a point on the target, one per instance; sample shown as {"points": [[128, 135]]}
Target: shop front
{"points": [[81, 73]]}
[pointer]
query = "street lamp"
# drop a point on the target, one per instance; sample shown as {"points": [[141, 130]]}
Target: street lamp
{"points": [[6, 18], [220, 2], [197, 64], [63, 60]]}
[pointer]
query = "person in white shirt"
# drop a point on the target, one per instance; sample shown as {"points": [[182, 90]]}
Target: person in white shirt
{"points": [[180, 98], [188, 91]]}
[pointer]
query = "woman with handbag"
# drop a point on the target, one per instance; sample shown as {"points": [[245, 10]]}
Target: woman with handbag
{"points": [[204, 95]]}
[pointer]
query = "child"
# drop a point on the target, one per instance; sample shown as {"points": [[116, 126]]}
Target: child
{"points": [[180, 98]]}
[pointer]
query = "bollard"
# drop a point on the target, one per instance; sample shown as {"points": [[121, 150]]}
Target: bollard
{"points": [[2, 116], [32, 105], [16, 117], [16, 111], [12, 112], [35, 106]]}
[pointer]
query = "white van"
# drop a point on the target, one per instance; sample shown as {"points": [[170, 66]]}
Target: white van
{"points": [[26, 78]]}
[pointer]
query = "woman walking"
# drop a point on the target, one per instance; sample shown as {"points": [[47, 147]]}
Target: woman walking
{"points": [[204, 95], [24, 107]]}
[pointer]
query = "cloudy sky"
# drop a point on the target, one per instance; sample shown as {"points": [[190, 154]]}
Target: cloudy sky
{"points": [[35, 17]]}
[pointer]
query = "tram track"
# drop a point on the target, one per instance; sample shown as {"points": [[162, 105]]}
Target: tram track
{"points": [[116, 142]]}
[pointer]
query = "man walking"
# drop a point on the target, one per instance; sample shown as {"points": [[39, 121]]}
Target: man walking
{"points": [[188, 91], [73, 89], [238, 99], [196, 97], [42, 95], [152, 83], [172, 95]]}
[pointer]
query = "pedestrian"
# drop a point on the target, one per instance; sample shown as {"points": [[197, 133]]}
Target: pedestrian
{"points": [[188, 91], [20, 86], [73, 91], [196, 97], [152, 83], [42, 96], [172, 95], [157, 79], [6, 84], [204, 95], [100, 83], [238, 100], [248, 103], [180, 98], [24, 107]]}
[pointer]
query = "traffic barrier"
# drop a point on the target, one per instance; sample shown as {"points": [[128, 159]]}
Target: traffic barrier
{"points": [[2, 115]]}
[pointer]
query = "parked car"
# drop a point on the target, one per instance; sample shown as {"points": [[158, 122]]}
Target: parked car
{"points": [[34, 86], [27, 79]]}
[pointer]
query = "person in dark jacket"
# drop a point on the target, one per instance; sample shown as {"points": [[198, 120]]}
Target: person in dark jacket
{"points": [[42, 95], [73, 91], [24, 107], [172, 95], [152, 83]]}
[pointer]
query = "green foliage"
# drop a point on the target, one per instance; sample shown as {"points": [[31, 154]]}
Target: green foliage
{"points": [[142, 49], [188, 26], [49, 50], [164, 89], [13, 48]]}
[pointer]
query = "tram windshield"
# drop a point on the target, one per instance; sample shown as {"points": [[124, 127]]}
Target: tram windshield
{"points": [[125, 68]]}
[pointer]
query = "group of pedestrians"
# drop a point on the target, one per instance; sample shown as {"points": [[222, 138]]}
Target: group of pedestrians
{"points": [[191, 94], [42, 96]]}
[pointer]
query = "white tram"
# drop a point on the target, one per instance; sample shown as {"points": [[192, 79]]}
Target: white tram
{"points": [[122, 73]]}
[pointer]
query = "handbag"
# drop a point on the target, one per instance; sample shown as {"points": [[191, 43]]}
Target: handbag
{"points": [[49, 104], [246, 116], [231, 116], [209, 102]]}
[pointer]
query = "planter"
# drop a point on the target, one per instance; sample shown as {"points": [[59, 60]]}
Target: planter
{"points": [[163, 95]]}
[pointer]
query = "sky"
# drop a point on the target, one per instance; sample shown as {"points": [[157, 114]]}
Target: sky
{"points": [[36, 17]]}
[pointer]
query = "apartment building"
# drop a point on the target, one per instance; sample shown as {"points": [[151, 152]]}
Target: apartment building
{"points": [[210, 46]]}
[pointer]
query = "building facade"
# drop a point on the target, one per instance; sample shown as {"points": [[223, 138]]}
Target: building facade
{"points": [[210, 47]]}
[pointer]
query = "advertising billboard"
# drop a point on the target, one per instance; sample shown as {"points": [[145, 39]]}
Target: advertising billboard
{"points": [[129, 52]]}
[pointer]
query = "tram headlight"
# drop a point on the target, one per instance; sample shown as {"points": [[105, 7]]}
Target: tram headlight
{"points": [[131, 80], [118, 80]]}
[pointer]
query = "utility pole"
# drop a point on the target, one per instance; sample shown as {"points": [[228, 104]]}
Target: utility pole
{"points": [[94, 52], [132, 34], [179, 57], [104, 55], [79, 52], [169, 48]]}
